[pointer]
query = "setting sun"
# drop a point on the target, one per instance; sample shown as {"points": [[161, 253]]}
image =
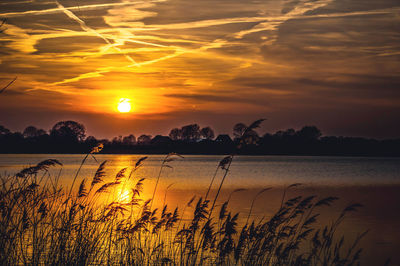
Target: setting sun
{"points": [[124, 106]]}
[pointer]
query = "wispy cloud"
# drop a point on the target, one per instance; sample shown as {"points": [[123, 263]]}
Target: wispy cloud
{"points": [[89, 29], [57, 10]]}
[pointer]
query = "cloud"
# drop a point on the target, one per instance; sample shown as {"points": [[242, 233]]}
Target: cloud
{"points": [[297, 9], [201, 97], [294, 61], [58, 10], [89, 29], [19, 40], [82, 76]]}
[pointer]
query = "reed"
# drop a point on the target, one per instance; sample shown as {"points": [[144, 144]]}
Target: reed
{"points": [[43, 223]]}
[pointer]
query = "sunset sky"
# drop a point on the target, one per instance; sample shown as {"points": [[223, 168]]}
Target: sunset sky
{"points": [[330, 63]]}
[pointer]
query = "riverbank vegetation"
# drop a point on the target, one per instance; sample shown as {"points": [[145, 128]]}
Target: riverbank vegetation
{"points": [[70, 137]]}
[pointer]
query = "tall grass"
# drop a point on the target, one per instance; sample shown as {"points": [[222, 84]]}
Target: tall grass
{"points": [[42, 223]]}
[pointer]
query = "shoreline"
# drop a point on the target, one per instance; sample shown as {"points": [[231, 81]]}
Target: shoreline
{"points": [[222, 154]]}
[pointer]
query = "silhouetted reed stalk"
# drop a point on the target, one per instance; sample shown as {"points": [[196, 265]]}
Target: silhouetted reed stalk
{"points": [[77, 173], [137, 165], [167, 159], [96, 149], [226, 161], [211, 183], [254, 200], [166, 191], [285, 190], [236, 190]]}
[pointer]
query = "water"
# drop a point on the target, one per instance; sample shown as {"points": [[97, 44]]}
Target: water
{"points": [[374, 182], [248, 171]]}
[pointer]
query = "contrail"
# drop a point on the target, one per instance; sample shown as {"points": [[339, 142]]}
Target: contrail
{"points": [[88, 29], [55, 10]]}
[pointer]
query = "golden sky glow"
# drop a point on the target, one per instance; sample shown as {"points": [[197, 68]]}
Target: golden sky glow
{"points": [[212, 62]]}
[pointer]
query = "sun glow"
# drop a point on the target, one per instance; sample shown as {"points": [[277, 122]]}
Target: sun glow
{"points": [[124, 105], [123, 196]]}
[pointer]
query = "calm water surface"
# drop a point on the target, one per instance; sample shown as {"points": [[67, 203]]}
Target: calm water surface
{"points": [[248, 171], [374, 182]]}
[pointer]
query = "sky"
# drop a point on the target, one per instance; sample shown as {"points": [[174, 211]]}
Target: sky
{"points": [[330, 63]]}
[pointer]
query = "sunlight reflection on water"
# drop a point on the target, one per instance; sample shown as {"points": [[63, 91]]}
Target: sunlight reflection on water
{"points": [[250, 171]]}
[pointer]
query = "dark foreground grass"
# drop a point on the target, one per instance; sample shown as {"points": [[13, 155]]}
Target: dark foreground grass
{"points": [[41, 223]]}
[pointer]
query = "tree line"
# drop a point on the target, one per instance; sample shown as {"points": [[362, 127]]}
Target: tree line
{"points": [[70, 137]]}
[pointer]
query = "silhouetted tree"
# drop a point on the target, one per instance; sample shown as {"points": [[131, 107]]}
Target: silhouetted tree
{"points": [[91, 141], [238, 130], [285, 134], [175, 134], [33, 132], [29, 132], [289, 132], [41, 132], [144, 139], [161, 140], [4, 131], [129, 140], [117, 140], [309, 133], [68, 130], [251, 135], [224, 139], [191, 132], [104, 141], [207, 133]]}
